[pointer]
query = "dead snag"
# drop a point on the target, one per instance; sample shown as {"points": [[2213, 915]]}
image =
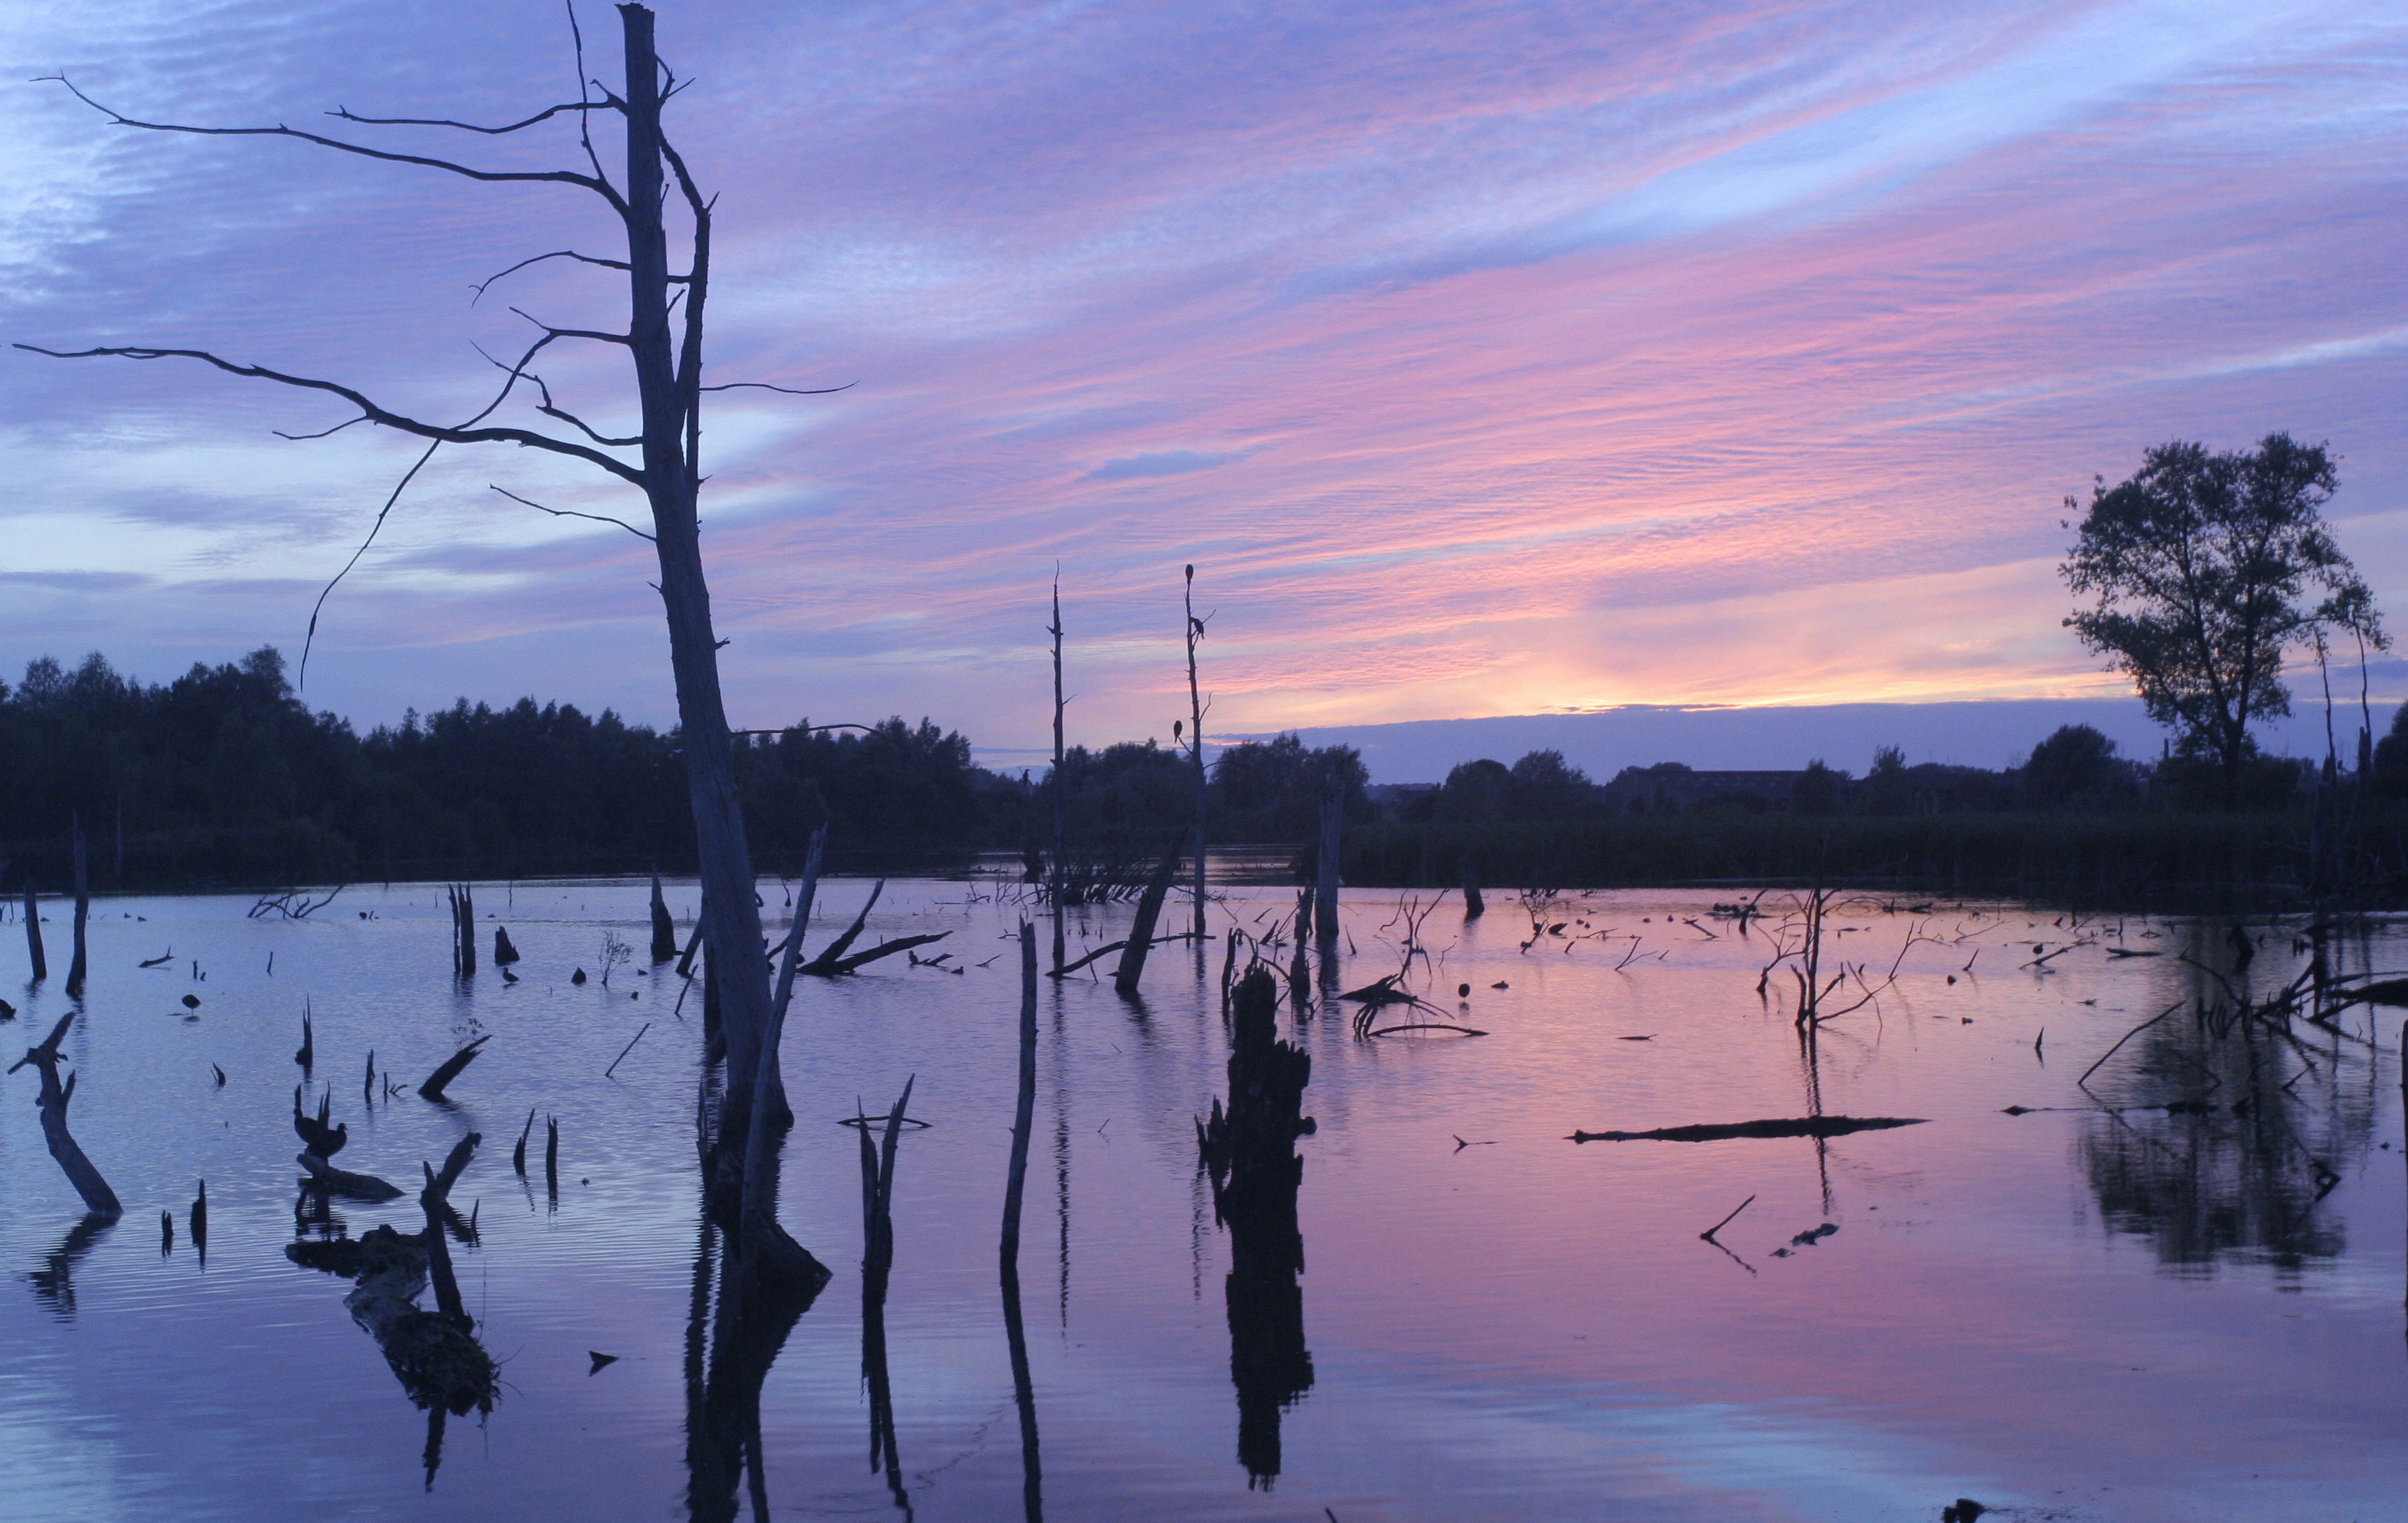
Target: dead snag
{"points": [[664, 929], [1324, 868], [1024, 1110], [433, 1088], [99, 1199], [33, 933], [1149, 909], [1473, 905], [327, 1179], [77, 964]]}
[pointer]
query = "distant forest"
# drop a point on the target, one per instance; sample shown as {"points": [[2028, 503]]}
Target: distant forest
{"points": [[223, 775]]}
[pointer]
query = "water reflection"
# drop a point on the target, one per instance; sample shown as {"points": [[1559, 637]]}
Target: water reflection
{"points": [[54, 1281], [2226, 1129], [748, 1321], [1250, 1150]]}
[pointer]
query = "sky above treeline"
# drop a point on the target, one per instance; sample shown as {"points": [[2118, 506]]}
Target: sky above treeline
{"points": [[1486, 358]]}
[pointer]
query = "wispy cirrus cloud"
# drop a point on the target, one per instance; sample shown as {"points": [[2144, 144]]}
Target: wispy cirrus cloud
{"points": [[1484, 357]]}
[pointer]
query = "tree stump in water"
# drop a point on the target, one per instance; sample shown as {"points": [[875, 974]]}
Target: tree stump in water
{"points": [[1250, 1150]]}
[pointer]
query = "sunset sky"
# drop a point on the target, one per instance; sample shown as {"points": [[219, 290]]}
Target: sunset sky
{"points": [[1487, 358]]}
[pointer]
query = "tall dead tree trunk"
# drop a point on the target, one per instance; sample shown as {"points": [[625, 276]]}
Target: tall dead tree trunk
{"points": [[667, 367], [1058, 785], [83, 910], [664, 929], [33, 933], [1195, 745], [1149, 911]]}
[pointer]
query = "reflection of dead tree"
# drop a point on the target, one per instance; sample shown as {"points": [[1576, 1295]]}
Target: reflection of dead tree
{"points": [[434, 1355], [54, 1281], [292, 904], [1250, 1150], [876, 1263], [99, 1199], [663, 342]]}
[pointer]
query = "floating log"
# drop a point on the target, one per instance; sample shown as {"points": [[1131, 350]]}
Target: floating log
{"points": [[433, 1088], [99, 1199], [1806, 1126], [325, 1176]]}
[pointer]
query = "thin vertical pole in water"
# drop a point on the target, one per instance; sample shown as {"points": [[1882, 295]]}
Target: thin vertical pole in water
{"points": [[1025, 1115], [1195, 748], [1060, 783], [82, 909], [664, 929], [33, 932], [1032, 1499]]}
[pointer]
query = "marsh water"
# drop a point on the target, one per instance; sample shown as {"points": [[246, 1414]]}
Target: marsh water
{"points": [[2098, 1308]]}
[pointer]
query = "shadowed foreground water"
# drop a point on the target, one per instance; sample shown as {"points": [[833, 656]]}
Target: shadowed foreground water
{"points": [[2104, 1311]]}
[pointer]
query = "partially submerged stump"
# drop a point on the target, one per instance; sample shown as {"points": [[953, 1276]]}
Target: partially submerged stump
{"points": [[326, 1178], [1250, 1149], [99, 1199]]}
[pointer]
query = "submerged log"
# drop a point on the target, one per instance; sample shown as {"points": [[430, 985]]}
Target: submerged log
{"points": [[1809, 1126], [99, 1199]]}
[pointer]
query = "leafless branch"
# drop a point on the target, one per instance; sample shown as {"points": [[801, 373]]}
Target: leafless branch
{"points": [[620, 338], [524, 437], [558, 176], [556, 253], [320, 434], [344, 113], [571, 513], [790, 391]]}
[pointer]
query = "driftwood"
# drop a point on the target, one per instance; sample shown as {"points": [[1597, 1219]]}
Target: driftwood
{"points": [[99, 1199], [1149, 909], [333, 1181], [433, 1088], [1810, 1126]]}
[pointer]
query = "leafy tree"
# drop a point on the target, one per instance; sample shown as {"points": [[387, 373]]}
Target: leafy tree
{"points": [[1546, 787], [1817, 790], [2201, 565], [1888, 790], [2074, 767]]}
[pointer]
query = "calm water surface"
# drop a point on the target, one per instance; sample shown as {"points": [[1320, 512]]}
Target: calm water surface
{"points": [[2078, 1312]]}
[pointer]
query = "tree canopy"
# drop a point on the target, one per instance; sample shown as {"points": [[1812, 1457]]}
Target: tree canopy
{"points": [[2200, 568]]}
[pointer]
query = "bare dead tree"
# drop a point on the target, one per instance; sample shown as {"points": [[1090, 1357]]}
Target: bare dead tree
{"points": [[99, 1199], [1059, 783], [1196, 742], [660, 457]]}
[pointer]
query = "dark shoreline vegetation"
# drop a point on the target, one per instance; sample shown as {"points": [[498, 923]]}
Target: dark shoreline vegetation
{"points": [[223, 778]]}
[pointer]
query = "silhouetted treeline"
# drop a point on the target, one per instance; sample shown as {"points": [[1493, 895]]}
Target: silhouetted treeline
{"points": [[224, 775]]}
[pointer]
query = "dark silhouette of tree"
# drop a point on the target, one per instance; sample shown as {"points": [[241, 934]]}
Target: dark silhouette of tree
{"points": [[2201, 565], [657, 454]]}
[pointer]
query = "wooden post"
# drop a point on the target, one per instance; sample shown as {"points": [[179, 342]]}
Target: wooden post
{"points": [[33, 932], [83, 910]]}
